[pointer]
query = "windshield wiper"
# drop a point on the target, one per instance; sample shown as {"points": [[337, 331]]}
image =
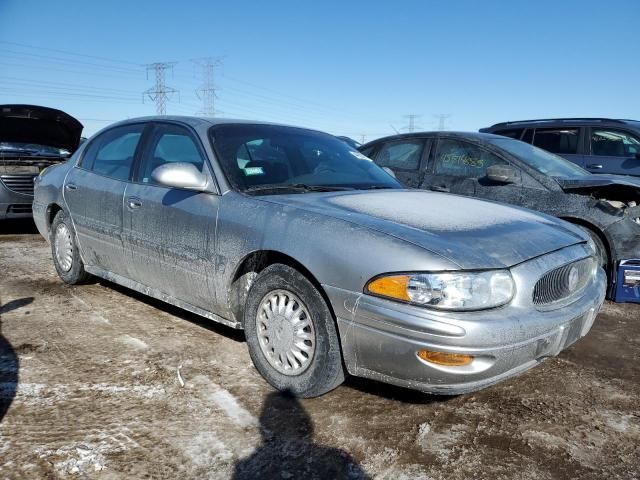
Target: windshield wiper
{"points": [[296, 187], [377, 187]]}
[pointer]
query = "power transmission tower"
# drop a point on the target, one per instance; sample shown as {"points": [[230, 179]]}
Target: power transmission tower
{"points": [[442, 117], [161, 92], [207, 90], [411, 127]]}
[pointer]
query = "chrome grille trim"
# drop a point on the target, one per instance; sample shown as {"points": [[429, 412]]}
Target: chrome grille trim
{"points": [[556, 285], [19, 183]]}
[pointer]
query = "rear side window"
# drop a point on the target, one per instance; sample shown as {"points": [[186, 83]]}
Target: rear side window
{"points": [[614, 143], [401, 155], [511, 133], [170, 144], [461, 159], [111, 154], [557, 140]]}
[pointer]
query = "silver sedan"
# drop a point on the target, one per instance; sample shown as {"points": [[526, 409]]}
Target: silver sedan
{"points": [[329, 266]]}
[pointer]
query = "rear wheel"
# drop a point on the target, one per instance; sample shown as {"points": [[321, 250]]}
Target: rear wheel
{"points": [[291, 333], [64, 248]]}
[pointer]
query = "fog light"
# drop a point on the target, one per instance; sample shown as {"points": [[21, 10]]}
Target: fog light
{"points": [[447, 359]]}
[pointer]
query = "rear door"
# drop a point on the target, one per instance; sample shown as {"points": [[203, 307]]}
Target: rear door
{"points": [[564, 141], [613, 151], [406, 158], [169, 233], [94, 190]]}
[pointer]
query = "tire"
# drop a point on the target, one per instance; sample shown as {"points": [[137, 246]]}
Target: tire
{"points": [[65, 252], [292, 300], [601, 250]]}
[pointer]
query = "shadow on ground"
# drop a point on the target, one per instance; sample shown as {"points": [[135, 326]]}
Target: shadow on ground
{"points": [[18, 226], [9, 364], [288, 449]]}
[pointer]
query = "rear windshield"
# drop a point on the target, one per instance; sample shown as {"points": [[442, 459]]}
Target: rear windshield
{"points": [[541, 160], [254, 156]]}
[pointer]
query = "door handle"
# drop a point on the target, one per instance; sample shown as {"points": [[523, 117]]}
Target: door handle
{"points": [[70, 186], [440, 188], [595, 166], [134, 202]]}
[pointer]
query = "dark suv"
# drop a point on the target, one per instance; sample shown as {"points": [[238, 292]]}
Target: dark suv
{"points": [[600, 145]]}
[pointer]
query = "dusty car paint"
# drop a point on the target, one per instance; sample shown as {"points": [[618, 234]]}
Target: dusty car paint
{"points": [[606, 204], [206, 249]]}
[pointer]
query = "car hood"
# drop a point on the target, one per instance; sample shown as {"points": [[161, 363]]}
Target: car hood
{"points": [[597, 181], [39, 125], [473, 234]]}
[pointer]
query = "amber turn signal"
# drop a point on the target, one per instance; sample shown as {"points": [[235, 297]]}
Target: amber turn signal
{"points": [[393, 286], [447, 359]]}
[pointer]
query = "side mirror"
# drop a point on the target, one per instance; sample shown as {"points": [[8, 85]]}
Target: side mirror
{"points": [[389, 171], [180, 175], [504, 174]]}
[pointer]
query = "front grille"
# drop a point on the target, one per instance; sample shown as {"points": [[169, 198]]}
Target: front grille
{"points": [[19, 183], [563, 282]]}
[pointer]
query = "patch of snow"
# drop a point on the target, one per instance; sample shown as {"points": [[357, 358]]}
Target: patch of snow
{"points": [[429, 211], [440, 443], [226, 402], [134, 342]]}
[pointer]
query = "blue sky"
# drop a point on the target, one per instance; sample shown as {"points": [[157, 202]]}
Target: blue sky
{"points": [[351, 68]]}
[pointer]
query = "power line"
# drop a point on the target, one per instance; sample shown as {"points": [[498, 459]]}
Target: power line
{"points": [[207, 90], [161, 92], [411, 127], [442, 117], [70, 53]]}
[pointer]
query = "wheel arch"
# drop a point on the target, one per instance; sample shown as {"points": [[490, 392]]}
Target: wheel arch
{"points": [[51, 212], [601, 235], [249, 268]]}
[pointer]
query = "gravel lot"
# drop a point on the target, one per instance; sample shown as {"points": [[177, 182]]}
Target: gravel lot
{"points": [[99, 396]]}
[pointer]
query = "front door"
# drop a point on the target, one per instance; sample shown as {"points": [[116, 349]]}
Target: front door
{"points": [[93, 192], [169, 233], [613, 151], [460, 167]]}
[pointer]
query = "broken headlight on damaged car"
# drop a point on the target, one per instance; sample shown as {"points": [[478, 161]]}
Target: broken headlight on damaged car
{"points": [[447, 290]]}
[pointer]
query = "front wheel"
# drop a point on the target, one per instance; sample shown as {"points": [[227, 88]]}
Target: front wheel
{"points": [[64, 248], [291, 333]]}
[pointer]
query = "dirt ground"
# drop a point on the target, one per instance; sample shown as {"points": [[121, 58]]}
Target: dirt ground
{"points": [[99, 372]]}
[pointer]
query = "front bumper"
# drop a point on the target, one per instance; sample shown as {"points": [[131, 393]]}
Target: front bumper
{"points": [[14, 204], [380, 338]]}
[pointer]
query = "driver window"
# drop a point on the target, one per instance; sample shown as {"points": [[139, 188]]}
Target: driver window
{"points": [[170, 144], [460, 159]]}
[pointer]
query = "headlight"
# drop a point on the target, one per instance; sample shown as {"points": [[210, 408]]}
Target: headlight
{"points": [[447, 290]]}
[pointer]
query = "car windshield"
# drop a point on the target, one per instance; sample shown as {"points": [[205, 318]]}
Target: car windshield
{"points": [[541, 160], [32, 149], [272, 159]]}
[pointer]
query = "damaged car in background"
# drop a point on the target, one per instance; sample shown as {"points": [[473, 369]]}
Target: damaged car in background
{"points": [[498, 168], [326, 262], [31, 139]]}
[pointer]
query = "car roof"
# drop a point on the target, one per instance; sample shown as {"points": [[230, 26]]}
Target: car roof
{"points": [[196, 121], [564, 121], [442, 133]]}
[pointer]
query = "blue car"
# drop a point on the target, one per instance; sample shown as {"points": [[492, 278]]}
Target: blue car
{"points": [[599, 145]]}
